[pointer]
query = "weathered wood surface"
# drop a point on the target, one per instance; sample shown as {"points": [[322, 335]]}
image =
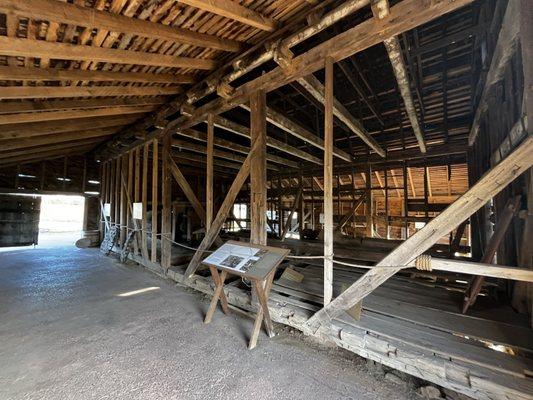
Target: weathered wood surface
{"points": [[489, 185]]}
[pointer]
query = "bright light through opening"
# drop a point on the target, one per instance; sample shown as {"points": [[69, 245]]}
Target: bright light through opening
{"points": [[134, 292]]}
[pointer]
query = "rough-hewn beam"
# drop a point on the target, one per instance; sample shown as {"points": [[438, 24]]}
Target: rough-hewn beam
{"points": [[316, 89], [394, 50], [12, 73], [505, 48], [45, 92], [18, 47], [487, 187], [72, 14], [233, 10]]}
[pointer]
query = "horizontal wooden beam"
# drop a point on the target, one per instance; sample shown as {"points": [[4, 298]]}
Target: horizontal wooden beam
{"points": [[198, 148], [37, 156], [18, 47], [9, 144], [45, 92], [12, 73], [17, 131], [278, 119], [198, 158], [72, 14], [244, 131], [28, 106], [316, 89], [227, 144], [71, 114], [233, 10]]}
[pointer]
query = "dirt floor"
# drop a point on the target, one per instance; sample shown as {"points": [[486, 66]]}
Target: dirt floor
{"points": [[66, 333]]}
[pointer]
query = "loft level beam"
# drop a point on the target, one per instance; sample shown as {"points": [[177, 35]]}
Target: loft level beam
{"points": [[198, 148], [243, 131], [28, 106], [73, 14], [316, 89], [46, 92], [69, 115], [284, 123], [380, 8], [232, 10], [11, 73], [506, 46], [488, 186], [18, 47], [191, 133]]}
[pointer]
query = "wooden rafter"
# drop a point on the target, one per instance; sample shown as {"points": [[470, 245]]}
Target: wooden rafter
{"points": [[232, 10], [92, 18]]}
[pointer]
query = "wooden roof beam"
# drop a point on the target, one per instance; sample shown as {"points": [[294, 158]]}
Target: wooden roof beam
{"points": [[316, 89], [18, 47], [11, 73], [72, 14], [232, 10], [45, 92], [380, 8], [37, 156]]}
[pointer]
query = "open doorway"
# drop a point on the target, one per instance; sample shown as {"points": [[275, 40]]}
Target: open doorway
{"points": [[40, 220], [61, 221]]}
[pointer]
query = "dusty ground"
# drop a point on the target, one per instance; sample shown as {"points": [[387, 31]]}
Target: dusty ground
{"points": [[66, 334]]}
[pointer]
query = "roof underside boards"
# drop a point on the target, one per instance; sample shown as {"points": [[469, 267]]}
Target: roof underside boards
{"points": [[66, 80]]}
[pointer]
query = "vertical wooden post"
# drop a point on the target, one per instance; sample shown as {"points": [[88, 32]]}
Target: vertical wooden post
{"points": [[258, 173], [328, 183], [209, 174], [122, 171], [155, 194], [166, 182], [280, 211], [405, 200], [387, 230], [144, 199], [369, 206]]}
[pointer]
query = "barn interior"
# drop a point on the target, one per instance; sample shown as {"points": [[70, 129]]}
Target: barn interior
{"points": [[386, 143]]}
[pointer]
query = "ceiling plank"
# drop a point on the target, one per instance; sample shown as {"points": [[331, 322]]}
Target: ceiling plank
{"points": [[232, 10], [72, 14], [54, 74], [18, 47]]}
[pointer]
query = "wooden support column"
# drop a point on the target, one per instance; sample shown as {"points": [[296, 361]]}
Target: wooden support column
{"points": [[328, 183], [258, 171], [123, 170], [144, 199], [155, 194], [369, 204], [166, 200], [209, 173], [488, 186]]}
